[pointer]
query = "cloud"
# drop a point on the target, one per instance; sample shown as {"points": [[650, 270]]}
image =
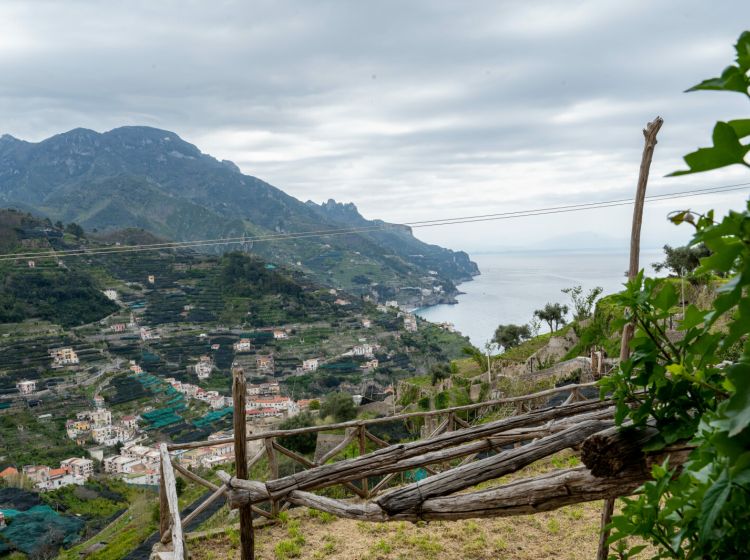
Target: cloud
{"points": [[411, 110]]}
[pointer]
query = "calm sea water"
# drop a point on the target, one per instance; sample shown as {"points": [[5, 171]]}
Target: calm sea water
{"points": [[513, 285]]}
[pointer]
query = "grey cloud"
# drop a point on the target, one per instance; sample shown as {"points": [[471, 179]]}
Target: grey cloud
{"points": [[409, 109]]}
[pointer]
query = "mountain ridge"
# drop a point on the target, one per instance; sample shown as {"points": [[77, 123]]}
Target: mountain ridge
{"points": [[149, 178]]}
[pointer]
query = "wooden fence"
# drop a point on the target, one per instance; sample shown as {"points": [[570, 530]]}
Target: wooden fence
{"points": [[456, 455]]}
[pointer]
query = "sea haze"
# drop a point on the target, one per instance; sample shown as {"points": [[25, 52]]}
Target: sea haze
{"points": [[512, 285]]}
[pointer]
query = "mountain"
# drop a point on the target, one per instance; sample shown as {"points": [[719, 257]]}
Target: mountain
{"points": [[141, 177]]}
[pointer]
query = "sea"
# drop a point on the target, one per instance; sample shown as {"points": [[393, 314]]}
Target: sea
{"points": [[513, 284]]}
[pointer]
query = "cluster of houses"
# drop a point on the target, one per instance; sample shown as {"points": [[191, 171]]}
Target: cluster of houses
{"points": [[75, 470], [136, 464], [365, 350], [212, 398], [209, 456], [97, 425], [62, 357]]}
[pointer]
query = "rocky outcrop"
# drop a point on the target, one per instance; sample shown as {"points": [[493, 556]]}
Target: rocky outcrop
{"points": [[552, 352]]}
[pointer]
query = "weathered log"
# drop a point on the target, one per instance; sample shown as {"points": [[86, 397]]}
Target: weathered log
{"points": [[220, 491], [174, 508], [411, 496], [256, 458], [310, 465], [383, 420], [610, 451], [257, 492], [194, 477], [378, 460], [527, 496]]}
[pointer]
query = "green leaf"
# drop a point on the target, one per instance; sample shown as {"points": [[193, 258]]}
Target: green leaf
{"points": [[713, 501], [722, 260], [741, 127], [726, 150], [666, 298], [731, 79], [693, 318], [742, 48], [738, 407]]}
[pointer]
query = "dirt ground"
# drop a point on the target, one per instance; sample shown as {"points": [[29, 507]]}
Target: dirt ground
{"points": [[568, 533]]}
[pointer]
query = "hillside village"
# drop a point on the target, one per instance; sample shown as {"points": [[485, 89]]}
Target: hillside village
{"points": [[145, 372]]}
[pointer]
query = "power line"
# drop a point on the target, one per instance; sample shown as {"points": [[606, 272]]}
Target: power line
{"points": [[383, 227]]}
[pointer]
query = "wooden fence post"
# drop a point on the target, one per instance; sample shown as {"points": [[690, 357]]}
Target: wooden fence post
{"points": [[363, 451], [273, 466], [163, 505], [173, 504], [649, 134], [239, 395]]}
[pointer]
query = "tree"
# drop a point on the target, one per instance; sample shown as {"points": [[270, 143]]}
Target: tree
{"points": [[682, 260], [582, 304], [314, 404], [340, 406], [301, 443], [179, 485], [75, 230], [553, 314], [509, 336], [439, 372]]}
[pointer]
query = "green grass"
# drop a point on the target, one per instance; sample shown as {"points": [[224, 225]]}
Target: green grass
{"points": [[524, 351], [122, 535]]}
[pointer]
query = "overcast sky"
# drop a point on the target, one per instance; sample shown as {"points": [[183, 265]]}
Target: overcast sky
{"points": [[412, 110]]}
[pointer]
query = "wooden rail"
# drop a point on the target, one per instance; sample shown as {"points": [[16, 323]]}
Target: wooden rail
{"points": [[452, 447], [385, 419]]}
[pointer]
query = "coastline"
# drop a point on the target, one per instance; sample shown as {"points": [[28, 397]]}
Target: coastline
{"points": [[513, 284]]}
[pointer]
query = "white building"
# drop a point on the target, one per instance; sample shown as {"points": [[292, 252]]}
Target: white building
{"points": [[311, 364], [119, 464], [410, 323], [363, 350], [110, 294], [264, 389], [280, 334], [79, 466], [99, 418], [277, 403], [243, 345], [62, 357], [26, 386], [204, 367]]}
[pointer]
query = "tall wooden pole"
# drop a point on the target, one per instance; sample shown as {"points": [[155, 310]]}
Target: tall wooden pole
{"points": [[239, 395], [649, 134]]}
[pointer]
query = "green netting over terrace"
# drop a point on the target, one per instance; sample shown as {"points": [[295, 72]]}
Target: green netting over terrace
{"points": [[212, 417], [162, 417], [38, 528]]}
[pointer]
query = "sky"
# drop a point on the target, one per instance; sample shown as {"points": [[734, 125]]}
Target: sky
{"points": [[412, 110]]}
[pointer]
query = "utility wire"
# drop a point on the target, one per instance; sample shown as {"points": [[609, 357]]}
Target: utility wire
{"points": [[380, 227]]}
